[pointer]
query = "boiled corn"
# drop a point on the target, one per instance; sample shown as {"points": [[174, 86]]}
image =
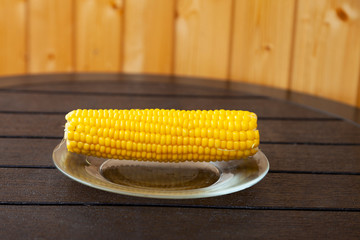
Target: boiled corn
{"points": [[162, 135]]}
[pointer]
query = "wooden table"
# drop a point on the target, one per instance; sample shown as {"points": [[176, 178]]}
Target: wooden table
{"points": [[311, 191]]}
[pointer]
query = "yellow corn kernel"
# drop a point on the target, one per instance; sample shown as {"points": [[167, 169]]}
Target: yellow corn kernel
{"points": [[163, 135]]}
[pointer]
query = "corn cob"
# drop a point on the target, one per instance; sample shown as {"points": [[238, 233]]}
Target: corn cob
{"points": [[162, 135]]}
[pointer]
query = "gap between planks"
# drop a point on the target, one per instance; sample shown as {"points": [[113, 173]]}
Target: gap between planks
{"points": [[270, 171], [270, 208]]}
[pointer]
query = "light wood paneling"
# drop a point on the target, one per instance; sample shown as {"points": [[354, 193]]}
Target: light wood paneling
{"points": [[203, 38], [327, 47], [311, 46], [12, 37], [148, 36], [261, 45], [50, 36], [98, 38]]}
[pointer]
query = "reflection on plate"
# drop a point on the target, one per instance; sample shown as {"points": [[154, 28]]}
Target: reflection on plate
{"points": [[162, 180]]}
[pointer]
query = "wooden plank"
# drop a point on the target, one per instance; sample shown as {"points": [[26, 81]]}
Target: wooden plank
{"points": [[131, 87], [120, 77], [12, 40], [53, 51], [72, 222], [148, 36], [358, 97], [275, 190], [64, 102], [202, 37], [98, 35], [334, 108], [271, 130], [261, 44], [27, 152], [36, 125], [309, 131], [311, 158], [327, 46], [307, 158]]}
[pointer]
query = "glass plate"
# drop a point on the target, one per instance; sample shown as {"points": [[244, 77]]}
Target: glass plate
{"points": [[162, 180]]}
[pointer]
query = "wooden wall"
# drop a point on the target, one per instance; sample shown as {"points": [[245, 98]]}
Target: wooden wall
{"points": [[310, 46]]}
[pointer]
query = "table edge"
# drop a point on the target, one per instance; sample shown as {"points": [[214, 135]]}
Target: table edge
{"points": [[328, 106]]}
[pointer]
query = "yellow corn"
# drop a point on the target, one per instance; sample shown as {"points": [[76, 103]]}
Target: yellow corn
{"points": [[162, 135]]}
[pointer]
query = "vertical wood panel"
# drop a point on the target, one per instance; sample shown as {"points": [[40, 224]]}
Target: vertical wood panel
{"points": [[12, 37], [148, 36], [203, 38], [50, 36], [98, 43], [262, 38], [327, 46]]}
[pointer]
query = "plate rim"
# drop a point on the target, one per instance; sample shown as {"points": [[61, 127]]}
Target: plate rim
{"points": [[191, 193]]}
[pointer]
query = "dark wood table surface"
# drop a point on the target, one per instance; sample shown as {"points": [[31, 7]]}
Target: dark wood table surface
{"points": [[311, 191]]}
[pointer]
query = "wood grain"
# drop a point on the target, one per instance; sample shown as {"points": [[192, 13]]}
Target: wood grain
{"points": [[271, 130], [312, 184], [261, 42], [63, 102], [50, 36], [202, 37], [98, 35], [13, 37], [327, 47], [117, 82], [125, 86], [87, 222], [148, 36], [358, 96], [276, 189], [311, 47], [306, 131], [27, 152], [293, 158], [313, 158]]}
